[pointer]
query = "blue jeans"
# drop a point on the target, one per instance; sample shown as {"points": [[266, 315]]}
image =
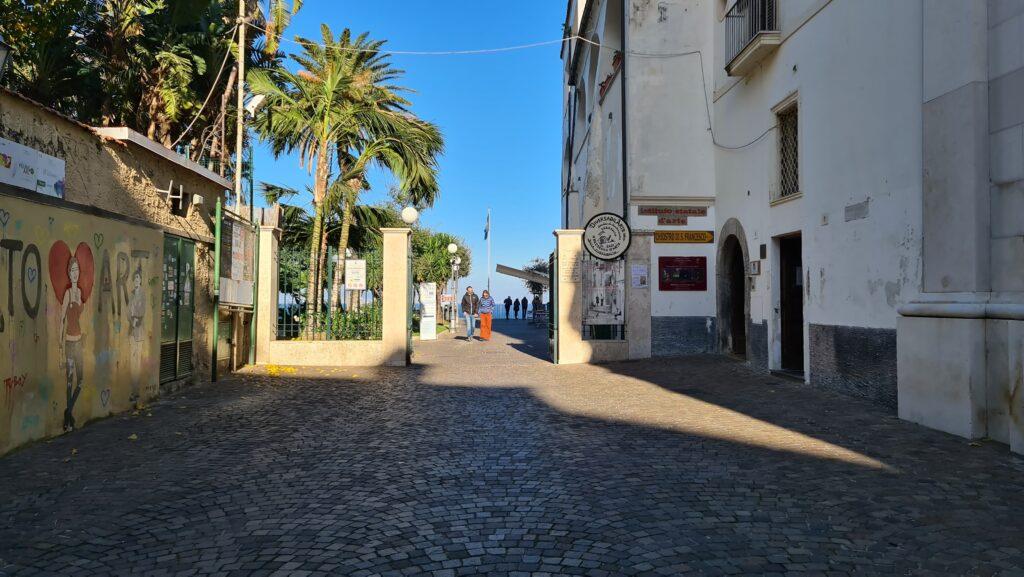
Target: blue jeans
{"points": [[470, 325]]}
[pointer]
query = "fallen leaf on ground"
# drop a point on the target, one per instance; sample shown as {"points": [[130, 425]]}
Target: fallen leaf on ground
{"points": [[133, 437]]}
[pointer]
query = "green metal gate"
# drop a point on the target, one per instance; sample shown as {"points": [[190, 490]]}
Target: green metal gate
{"points": [[553, 313], [178, 308]]}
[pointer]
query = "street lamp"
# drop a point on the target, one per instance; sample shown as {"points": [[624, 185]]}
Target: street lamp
{"points": [[410, 215], [455, 261], [5, 52]]}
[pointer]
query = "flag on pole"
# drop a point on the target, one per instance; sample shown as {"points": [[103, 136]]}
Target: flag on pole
{"points": [[487, 227]]}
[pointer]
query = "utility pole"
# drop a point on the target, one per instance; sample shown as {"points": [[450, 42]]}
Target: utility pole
{"points": [[240, 128]]}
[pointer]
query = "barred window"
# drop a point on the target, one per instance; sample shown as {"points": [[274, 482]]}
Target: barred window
{"points": [[789, 157]]}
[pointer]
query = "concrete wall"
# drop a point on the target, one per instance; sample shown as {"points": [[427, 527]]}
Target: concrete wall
{"points": [[110, 356], [671, 154], [859, 101], [122, 178], [113, 218], [960, 347]]}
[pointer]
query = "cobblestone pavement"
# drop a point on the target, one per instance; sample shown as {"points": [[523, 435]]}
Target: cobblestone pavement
{"points": [[484, 459]]}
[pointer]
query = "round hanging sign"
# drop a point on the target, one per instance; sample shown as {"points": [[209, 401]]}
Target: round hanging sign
{"points": [[607, 236]]}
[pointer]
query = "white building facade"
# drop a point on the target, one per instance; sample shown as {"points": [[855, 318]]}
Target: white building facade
{"points": [[861, 166]]}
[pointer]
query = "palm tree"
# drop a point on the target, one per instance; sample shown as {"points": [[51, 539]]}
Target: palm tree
{"points": [[340, 106], [307, 114], [401, 143]]}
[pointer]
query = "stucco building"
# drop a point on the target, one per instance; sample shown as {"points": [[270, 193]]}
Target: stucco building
{"points": [[107, 293], [861, 165]]}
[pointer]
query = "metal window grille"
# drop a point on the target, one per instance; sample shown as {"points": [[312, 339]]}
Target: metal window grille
{"points": [[745, 20], [789, 157]]}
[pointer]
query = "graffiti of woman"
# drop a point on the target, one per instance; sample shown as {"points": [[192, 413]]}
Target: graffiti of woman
{"points": [[136, 332], [71, 333]]}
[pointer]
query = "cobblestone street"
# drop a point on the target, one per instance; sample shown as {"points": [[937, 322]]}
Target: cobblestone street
{"points": [[485, 459]]}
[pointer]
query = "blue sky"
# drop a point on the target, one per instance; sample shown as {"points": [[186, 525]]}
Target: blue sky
{"points": [[500, 115]]}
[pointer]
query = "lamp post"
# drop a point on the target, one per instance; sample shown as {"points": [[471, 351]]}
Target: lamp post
{"points": [[5, 52], [455, 260]]}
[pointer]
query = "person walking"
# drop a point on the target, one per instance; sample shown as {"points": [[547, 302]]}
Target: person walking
{"points": [[526, 305], [508, 305], [486, 315], [470, 308], [515, 307]]}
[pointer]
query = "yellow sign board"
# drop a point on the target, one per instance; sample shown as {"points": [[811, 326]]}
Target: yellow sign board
{"points": [[684, 236]]}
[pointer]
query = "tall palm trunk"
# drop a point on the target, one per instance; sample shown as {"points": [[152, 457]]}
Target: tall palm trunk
{"points": [[321, 270], [316, 241], [339, 272], [312, 302]]}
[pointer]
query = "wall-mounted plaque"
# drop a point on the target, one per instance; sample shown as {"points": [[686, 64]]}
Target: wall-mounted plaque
{"points": [[607, 236], [672, 210]]}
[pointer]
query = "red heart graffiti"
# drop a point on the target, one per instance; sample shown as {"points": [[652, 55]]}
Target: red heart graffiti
{"points": [[60, 257]]}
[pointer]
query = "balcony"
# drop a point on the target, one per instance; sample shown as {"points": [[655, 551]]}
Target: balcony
{"points": [[751, 33]]}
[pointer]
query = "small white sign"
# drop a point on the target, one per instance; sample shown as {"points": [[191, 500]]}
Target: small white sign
{"points": [[428, 311], [355, 275], [30, 169], [641, 275]]}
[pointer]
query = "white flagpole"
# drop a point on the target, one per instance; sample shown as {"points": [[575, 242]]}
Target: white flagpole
{"points": [[489, 234]]}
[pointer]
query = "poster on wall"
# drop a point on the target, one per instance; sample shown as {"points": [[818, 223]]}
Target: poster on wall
{"points": [[604, 292], [639, 274], [683, 273], [428, 311], [30, 169]]}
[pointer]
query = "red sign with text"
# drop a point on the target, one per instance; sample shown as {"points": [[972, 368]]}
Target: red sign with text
{"points": [[683, 273]]}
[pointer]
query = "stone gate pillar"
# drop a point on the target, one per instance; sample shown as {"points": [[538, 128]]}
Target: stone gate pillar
{"points": [[397, 297], [267, 290]]}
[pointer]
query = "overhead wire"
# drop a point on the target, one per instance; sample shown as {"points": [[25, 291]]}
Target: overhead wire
{"points": [[213, 88], [563, 40]]}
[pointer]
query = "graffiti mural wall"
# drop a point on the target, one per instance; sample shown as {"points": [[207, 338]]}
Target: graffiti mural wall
{"points": [[79, 318]]}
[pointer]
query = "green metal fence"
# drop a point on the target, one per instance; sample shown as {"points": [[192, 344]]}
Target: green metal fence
{"points": [[357, 316]]}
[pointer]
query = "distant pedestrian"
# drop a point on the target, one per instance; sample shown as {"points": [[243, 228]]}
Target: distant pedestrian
{"points": [[537, 304], [515, 307], [470, 308], [508, 305], [526, 305], [486, 315]]}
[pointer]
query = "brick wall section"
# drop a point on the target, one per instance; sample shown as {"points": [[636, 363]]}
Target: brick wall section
{"points": [[674, 336], [757, 345], [856, 361]]}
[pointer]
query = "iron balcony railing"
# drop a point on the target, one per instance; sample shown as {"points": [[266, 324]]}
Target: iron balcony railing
{"points": [[745, 21]]}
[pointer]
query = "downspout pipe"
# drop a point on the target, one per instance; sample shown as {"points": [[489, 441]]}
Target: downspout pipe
{"points": [[625, 119], [572, 152]]}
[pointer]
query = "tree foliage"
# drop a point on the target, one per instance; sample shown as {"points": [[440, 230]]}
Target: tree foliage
{"points": [[150, 65], [540, 266]]}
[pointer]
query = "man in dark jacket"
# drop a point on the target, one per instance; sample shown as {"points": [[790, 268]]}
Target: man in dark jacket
{"points": [[470, 308], [526, 305], [508, 305], [515, 308]]}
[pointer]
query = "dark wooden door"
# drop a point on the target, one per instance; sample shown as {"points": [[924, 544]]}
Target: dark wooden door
{"points": [[792, 303]]}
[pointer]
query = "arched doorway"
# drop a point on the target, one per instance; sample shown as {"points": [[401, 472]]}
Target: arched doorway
{"points": [[733, 292]]}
